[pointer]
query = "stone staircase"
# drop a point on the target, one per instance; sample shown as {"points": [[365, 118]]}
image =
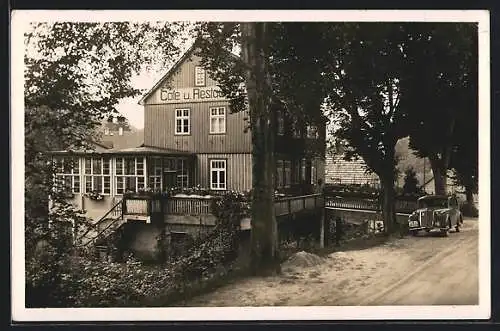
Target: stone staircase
{"points": [[99, 234]]}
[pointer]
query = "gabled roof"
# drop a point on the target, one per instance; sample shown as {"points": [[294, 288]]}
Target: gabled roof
{"points": [[177, 64], [169, 73], [141, 150]]}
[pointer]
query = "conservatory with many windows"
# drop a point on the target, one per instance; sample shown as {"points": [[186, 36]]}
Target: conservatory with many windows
{"points": [[96, 180]]}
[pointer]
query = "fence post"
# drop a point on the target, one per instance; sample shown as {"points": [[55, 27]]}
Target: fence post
{"points": [[338, 230], [124, 206], [322, 228]]}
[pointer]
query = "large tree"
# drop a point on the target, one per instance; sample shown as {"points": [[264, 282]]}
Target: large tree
{"points": [[75, 75], [440, 91], [464, 158], [363, 70], [277, 71]]}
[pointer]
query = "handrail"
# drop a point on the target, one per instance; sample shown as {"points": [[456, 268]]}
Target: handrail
{"points": [[101, 232], [297, 197], [101, 220]]}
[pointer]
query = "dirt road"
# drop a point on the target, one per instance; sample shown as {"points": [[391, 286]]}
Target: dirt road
{"points": [[422, 270]]}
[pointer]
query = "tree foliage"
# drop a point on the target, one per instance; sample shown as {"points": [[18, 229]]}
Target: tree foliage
{"points": [[366, 66], [75, 75], [410, 185], [275, 72], [441, 92]]}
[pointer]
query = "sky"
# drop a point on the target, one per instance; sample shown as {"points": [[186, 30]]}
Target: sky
{"points": [[129, 107]]}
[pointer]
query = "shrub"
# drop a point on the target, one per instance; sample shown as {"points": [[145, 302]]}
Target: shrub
{"points": [[469, 210]]}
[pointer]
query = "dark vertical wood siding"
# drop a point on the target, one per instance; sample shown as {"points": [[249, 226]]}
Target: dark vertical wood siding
{"points": [[239, 170], [159, 119], [183, 76], [159, 123]]}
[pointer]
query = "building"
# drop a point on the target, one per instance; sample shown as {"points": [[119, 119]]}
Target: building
{"points": [[342, 172], [191, 139], [116, 132]]}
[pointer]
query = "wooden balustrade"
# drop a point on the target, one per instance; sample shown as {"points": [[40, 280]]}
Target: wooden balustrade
{"points": [[136, 206], [402, 206], [290, 205], [188, 206]]}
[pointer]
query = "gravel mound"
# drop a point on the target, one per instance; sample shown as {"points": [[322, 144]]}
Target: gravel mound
{"points": [[302, 260]]}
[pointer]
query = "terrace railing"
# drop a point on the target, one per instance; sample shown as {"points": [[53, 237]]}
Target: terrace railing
{"points": [[290, 205], [148, 205], [402, 205], [188, 205]]}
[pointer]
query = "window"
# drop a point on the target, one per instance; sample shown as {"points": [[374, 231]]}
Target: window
{"points": [[287, 164], [199, 76], [155, 173], [313, 174], [129, 174], [279, 173], [179, 168], [182, 174], [182, 121], [312, 132], [283, 173], [296, 171], [67, 175], [281, 124], [218, 174], [97, 175], [296, 129], [303, 171], [218, 120], [106, 131]]}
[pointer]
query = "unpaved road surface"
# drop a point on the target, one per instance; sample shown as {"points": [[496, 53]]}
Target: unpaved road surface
{"points": [[422, 270]]}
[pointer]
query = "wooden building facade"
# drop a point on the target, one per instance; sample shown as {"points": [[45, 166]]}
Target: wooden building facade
{"points": [[192, 139], [186, 111]]}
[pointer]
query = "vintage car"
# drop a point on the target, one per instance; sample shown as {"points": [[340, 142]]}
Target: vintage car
{"points": [[436, 212]]}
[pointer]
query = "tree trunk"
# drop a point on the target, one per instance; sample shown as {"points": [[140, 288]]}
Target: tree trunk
{"points": [[469, 196], [264, 242], [439, 173], [388, 202]]}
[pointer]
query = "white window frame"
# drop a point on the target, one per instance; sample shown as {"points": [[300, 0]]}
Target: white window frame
{"points": [[182, 173], [93, 175], [73, 175], [218, 117], [180, 115], [138, 177], [217, 186], [198, 70], [155, 178], [314, 173], [279, 174]]}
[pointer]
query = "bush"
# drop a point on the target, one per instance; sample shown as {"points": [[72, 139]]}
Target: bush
{"points": [[469, 210], [410, 186], [58, 278]]}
